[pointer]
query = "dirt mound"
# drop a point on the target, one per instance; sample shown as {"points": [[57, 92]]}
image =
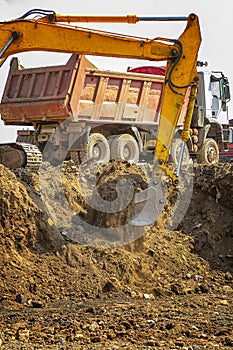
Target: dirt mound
{"points": [[209, 218], [41, 268], [24, 225], [160, 262]]}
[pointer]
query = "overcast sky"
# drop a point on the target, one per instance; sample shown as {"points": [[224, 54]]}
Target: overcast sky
{"points": [[215, 18]]}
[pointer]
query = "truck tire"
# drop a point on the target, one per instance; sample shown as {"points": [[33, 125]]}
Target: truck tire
{"points": [[175, 152], [97, 149], [209, 153], [124, 147]]}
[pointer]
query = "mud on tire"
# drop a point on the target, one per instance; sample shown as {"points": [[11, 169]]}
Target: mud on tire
{"points": [[209, 153]]}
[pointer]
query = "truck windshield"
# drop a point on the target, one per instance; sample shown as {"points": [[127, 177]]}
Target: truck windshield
{"points": [[215, 87]]}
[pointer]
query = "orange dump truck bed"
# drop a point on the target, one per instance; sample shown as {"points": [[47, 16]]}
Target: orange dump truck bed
{"points": [[80, 90]]}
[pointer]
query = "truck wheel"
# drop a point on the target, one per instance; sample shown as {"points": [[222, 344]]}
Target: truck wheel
{"points": [[174, 154], [97, 148], [209, 153], [124, 147]]}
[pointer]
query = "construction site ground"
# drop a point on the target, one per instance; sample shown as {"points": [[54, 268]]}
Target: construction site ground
{"points": [[168, 289]]}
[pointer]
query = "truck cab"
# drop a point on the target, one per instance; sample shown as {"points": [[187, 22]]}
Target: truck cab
{"points": [[211, 120]]}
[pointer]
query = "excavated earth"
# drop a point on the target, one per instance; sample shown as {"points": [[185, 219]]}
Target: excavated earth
{"points": [[67, 283]]}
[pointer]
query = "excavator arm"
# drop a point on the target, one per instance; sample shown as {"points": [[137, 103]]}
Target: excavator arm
{"points": [[47, 32]]}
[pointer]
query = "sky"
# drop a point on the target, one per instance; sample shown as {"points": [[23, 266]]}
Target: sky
{"points": [[215, 20]]}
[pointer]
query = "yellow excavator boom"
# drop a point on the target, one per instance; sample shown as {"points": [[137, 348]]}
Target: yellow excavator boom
{"points": [[49, 33]]}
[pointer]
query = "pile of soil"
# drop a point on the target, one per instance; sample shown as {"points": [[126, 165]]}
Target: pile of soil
{"points": [[209, 218], [166, 289]]}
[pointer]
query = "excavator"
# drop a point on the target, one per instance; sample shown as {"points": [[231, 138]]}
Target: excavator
{"points": [[44, 30]]}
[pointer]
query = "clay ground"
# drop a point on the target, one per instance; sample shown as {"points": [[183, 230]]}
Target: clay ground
{"points": [[169, 289]]}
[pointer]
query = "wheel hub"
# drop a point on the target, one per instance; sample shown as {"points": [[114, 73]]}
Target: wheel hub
{"points": [[126, 152], [97, 151], [211, 154]]}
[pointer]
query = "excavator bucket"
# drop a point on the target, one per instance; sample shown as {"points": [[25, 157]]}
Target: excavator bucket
{"points": [[148, 204]]}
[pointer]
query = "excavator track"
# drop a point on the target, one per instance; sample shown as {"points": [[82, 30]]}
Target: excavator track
{"points": [[20, 155]]}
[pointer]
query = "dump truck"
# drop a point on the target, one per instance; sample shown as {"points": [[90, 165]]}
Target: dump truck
{"points": [[116, 111]]}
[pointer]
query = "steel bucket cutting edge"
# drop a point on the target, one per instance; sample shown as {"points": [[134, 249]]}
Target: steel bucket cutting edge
{"points": [[151, 202]]}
